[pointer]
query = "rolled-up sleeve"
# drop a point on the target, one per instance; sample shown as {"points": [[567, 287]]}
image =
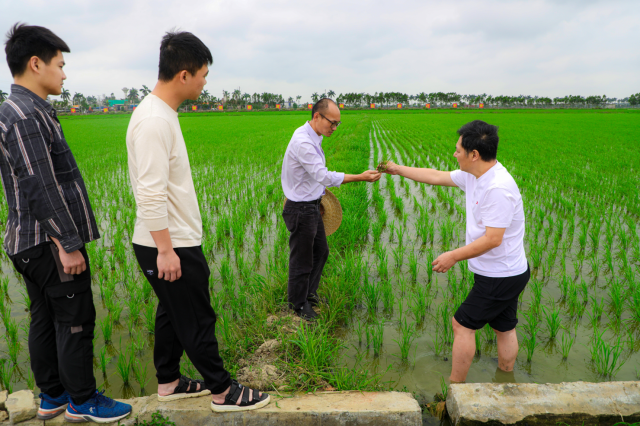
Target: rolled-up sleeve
{"points": [[152, 148], [312, 162]]}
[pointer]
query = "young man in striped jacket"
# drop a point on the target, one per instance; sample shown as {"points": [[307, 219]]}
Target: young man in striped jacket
{"points": [[50, 220]]}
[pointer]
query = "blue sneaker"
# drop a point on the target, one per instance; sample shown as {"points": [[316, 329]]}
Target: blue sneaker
{"points": [[99, 409], [51, 407]]}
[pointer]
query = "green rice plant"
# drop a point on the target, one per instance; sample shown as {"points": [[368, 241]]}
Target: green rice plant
{"points": [[443, 314], [5, 311], [103, 360], [371, 294], [4, 287], [478, 339], [388, 297], [428, 264], [553, 322], [413, 266], [398, 256], [376, 231], [536, 294], [420, 301], [606, 357], [566, 344], [133, 303], [140, 375], [106, 326], [13, 348], [407, 336], [616, 298], [31, 380], [6, 375], [608, 257], [383, 267], [115, 312], [530, 346], [377, 337], [123, 367], [444, 389], [150, 317], [531, 327]]}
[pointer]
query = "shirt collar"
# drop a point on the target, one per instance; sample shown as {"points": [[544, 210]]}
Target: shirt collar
{"points": [[37, 100], [312, 133], [491, 171]]}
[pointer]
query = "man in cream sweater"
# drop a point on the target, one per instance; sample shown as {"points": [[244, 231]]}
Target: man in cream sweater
{"points": [[168, 233]]}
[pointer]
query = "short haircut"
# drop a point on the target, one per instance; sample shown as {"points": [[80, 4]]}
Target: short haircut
{"points": [[321, 106], [482, 137], [26, 41], [182, 51]]}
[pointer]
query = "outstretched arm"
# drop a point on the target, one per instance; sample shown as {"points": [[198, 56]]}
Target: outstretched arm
{"points": [[430, 176]]}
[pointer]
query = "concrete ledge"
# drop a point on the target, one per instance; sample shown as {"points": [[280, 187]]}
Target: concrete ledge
{"points": [[532, 404], [323, 408]]}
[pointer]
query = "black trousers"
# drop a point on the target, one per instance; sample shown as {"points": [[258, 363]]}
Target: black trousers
{"points": [[308, 250], [185, 320], [63, 320]]}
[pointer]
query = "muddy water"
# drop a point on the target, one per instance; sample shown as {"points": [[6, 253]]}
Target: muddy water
{"points": [[423, 371]]}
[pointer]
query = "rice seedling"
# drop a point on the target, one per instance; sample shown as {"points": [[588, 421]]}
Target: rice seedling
{"points": [[31, 380], [552, 318], [377, 337], [606, 357], [388, 297], [103, 360], [407, 336], [530, 344], [616, 298], [398, 256], [123, 366], [106, 326], [140, 375], [6, 375], [532, 318], [566, 344], [371, 295], [413, 266]]}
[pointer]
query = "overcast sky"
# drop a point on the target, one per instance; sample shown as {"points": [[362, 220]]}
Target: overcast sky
{"points": [[296, 47]]}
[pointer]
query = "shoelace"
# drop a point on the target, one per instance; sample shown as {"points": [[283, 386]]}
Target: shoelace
{"points": [[101, 399]]}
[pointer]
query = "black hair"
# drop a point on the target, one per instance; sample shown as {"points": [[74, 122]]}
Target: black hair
{"points": [[482, 137], [26, 41], [321, 106], [182, 51]]}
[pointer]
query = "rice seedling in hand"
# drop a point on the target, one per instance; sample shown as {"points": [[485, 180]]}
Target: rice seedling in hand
{"points": [[382, 167]]}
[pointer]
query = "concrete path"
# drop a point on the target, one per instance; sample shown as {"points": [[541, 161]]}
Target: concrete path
{"points": [[323, 408], [575, 403]]}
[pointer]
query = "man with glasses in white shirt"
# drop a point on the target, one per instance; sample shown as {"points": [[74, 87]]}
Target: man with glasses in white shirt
{"points": [[304, 179]]}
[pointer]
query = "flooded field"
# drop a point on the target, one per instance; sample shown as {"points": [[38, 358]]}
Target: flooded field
{"points": [[387, 323]]}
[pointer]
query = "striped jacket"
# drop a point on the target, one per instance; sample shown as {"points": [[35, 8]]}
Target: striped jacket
{"points": [[44, 189]]}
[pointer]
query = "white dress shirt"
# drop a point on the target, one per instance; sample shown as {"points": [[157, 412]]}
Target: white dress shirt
{"points": [[304, 171]]}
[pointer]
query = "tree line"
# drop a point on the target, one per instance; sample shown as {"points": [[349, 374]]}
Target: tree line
{"points": [[237, 99]]}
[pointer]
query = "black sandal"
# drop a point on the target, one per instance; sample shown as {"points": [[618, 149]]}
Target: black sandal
{"points": [[236, 390], [187, 388]]}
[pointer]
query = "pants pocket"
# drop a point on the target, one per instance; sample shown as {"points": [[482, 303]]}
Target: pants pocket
{"points": [[290, 220], [72, 304]]}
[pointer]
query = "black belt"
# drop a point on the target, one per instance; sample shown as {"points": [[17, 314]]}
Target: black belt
{"points": [[314, 202]]}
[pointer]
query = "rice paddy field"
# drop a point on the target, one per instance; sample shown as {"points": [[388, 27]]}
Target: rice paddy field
{"points": [[387, 323]]}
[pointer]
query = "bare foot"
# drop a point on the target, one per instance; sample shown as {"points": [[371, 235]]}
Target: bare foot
{"points": [[168, 388], [220, 398]]}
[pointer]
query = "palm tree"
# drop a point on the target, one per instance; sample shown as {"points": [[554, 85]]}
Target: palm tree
{"points": [[315, 97], [331, 93], [298, 99], [3, 96], [133, 95], [145, 91], [66, 96]]}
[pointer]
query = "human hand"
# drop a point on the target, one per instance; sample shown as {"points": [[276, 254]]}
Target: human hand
{"points": [[370, 176], [73, 263], [392, 168], [444, 262], [169, 266]]}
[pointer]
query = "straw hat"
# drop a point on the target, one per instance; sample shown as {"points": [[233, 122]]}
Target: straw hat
{"points": [[332, 212]]}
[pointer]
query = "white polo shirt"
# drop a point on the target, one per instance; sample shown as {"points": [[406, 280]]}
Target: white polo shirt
{"points": [[494, 200]]}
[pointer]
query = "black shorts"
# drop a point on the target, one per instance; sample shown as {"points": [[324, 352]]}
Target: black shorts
{"points": [[493, 301]]}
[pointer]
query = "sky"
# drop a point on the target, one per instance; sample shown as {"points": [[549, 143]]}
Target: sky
{"points": [[298, 47]]}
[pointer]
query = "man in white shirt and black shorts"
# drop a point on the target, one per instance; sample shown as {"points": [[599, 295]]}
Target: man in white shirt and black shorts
{"points": [[495, 248]]}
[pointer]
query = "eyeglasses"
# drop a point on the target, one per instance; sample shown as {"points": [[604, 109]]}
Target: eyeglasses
{"points": [[334, 124]]}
